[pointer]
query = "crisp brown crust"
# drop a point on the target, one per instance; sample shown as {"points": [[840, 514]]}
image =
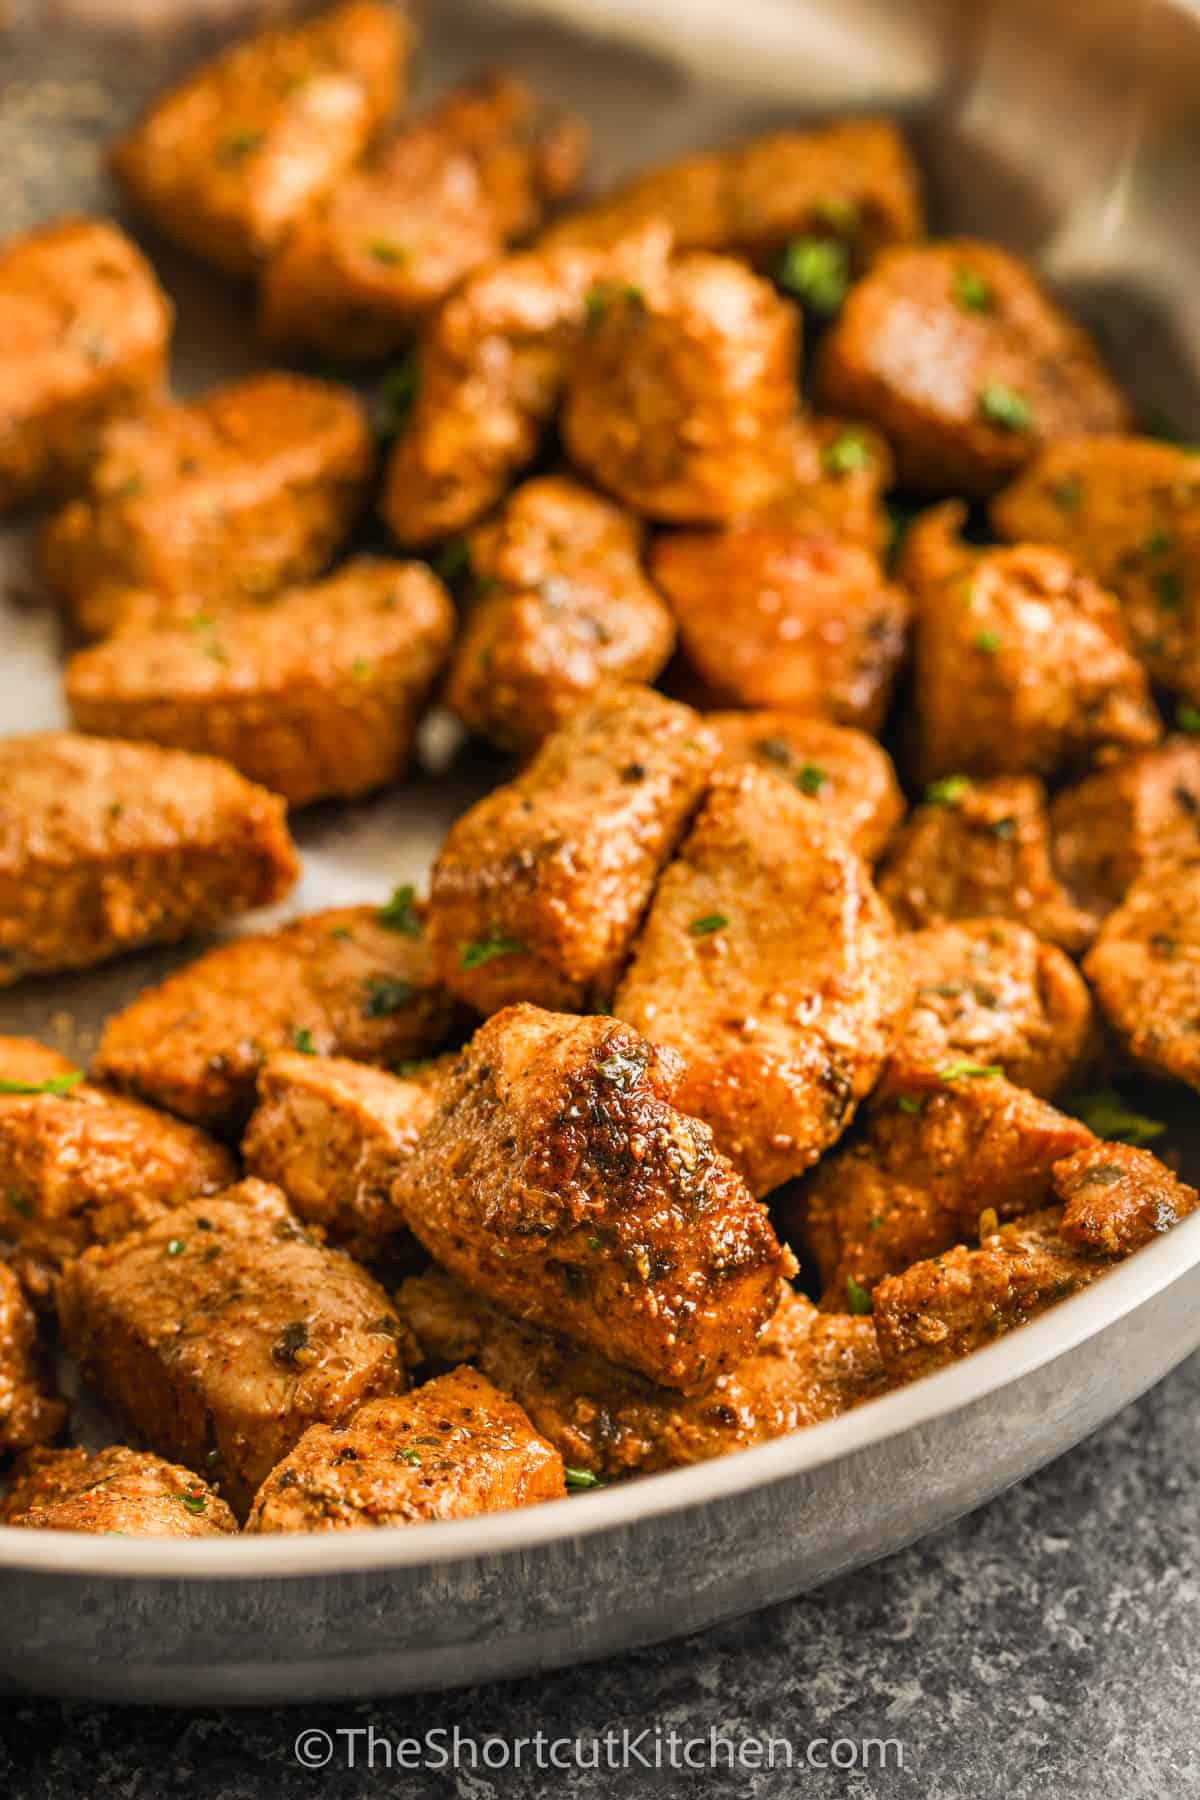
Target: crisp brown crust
{"points": [[558, 1178], [1116, 1198], [221, 1333], [1132, 820], [1145, 972], [106, 846], [84, 328], [344, 981], [115, 1493], [449, 1450], [28, 1412], [316, 694], [226, 162], [847, 773]]}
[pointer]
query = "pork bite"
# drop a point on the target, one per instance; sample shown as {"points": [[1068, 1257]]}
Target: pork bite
{"points": [[1116, 1198], [316, 694], [80, 1165], [490, 366], [1144, 969], [29, 1414], [769, 963], [966, 364], [350, 981], [106, 847], [436, 201], [1132, 820], [680, 396], [773, 617], [541, 885], [560, 608], [330, 1133], [989, 991], [235, 494], [1128, 510], [1021, 661], [115, 1493], [84, 328], [221, 1333], [559, 1179], [607, 1422], [228, 161], [981, 850], [849, 775], [452, 1449]]}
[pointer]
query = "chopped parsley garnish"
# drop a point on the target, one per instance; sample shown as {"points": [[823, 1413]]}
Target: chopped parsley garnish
{"points": [[705, 926], [909, 1104], [285, 1351], [961, 1071], [243, 141], [486, 950], [417, 1065], [858, 1298], [1159, 542], [452, 561], [948, 791], [988, 641], [193, 1503], [972, 292], [302, 1038], [816, 270], [361, 668], [54, 1084], [847, 453], [385, 996], [1067, 493], [581, 1478], [1187, 716], [176, 1246], [18, 1203], [1168, 586], [598, 299], [1005, 407], [397, 396], [1105, 1113], [392, 256], [1003, 828], [811, 779], [622, 1068], [400, 914], [125, 490], [409, 1455]]}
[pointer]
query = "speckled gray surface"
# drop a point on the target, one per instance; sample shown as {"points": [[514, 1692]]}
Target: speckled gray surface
{"points": [[1046, 1646]]}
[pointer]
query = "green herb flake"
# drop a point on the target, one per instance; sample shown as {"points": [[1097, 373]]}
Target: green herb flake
{"points": [[193, 1503], [400, 913], [847, 454], [397, 396], [453, 561], [1158, 543], [1067, 493], [288, 1346], [971, 291], [486, 950], [18, 1203], [622, 1068], [579, 1479], [988, 641], [361, 668], [1106, 1113], [342, 932], [1168, 587], [962, 1071], [1003, 828], [302, 1038], [385, 996], [1005, 408], [811, 779], [910, 1105], [410, 1456], [54, 1084], [392, 256], [816, 271], [598, 300], [125, 490], [948, 791], [1187, 716], [858, 1298], [706, 926], [236, 145], [416, 1065], [176, 1246]]}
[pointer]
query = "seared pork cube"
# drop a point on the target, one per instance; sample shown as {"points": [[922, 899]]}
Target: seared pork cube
{"points": [[84, 328], [330, 1133], [1128, 510], [981, 850], [960, 357], [315, 694], [436, 201], [849, 775], [106, 847], [80, 1165], [1145, 972], [683, 390], [348, 981], [772, 617], [1132, 820], [235, 494], [560, 609], [769, 963], [1021, 661], [942, 1147], [449, 1450], [28, 1412], [115, 1493], [852, 183], [540, 887], [559, 1179], [1116, 1198], [989, 991], [491, 364], [221, 1333], [608, 1422], [230, 159]]}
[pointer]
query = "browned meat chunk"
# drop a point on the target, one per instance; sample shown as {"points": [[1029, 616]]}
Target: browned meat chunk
{"points": [[1126, 822], [540, 887], [115, 1493], [989, 991], [80, 1166], [967, 365], [852, 181], [331, 1133], [449, 1450], [229, 160], [981, 850], [1115, 1198], [442, 197], [28, 1413], [939, 1152], [560, 608], [349, 981], [681, 395], [1128, 510], [315, 694], [105, 847], [558, 1178], [610, 1423], [769, 963], [491, 364], [1022, 666], [1145, 972], [221, 1333], [84, 328], [847, 772], [772, 617], [235, 494]]}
